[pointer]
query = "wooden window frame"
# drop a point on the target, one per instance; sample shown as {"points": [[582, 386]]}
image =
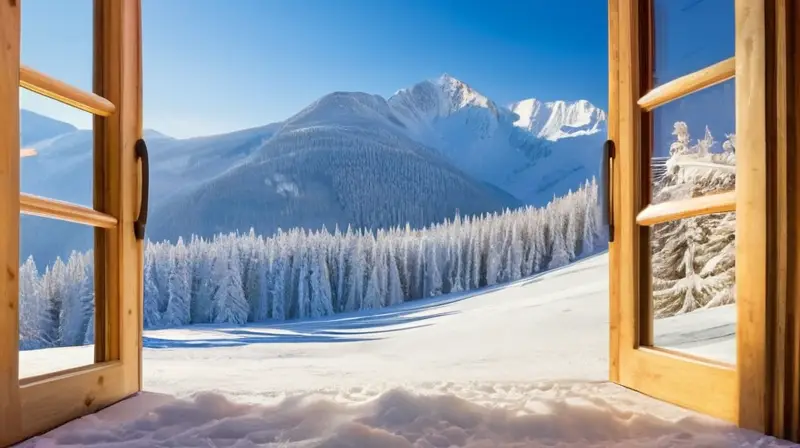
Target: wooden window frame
{"points": [[30, 406], [762, 392], [703, 385]]}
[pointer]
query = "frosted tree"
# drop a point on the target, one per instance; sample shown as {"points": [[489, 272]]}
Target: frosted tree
{"points": [[279, 277], [493, 256], [395, 288], [433, 277], [321, 294], [677, 285], [89, 338], [355, 289], [303, 292], [682, 142], [71, 316], [179, 287], [152, 316], [590, 228], [235, 278], [341, 270], [703, 146], [228, 302], [477, 252], [515, 252], [373, 296], [559, 256], [32, 308]]}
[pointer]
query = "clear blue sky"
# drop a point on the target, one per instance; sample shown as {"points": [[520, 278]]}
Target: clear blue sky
{"points": [[212, 66]]}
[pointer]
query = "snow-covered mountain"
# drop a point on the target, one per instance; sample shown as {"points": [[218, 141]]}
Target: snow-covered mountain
{"points": [[559, 119], [348, 158], [523, 151], [341, 161]]}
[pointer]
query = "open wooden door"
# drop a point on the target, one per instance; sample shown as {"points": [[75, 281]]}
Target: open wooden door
{"points": [[35, 404], [689, 204]]}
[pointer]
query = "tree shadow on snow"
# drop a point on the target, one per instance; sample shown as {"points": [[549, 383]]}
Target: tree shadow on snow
{"points": [[334, 329], [358, 326]]}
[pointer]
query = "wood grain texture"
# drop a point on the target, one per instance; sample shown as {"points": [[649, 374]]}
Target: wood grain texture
{"points": [[687, 208], [751, 213], [118, 78], [9, 219], [688, 84], [613, 135], [50, 87], [687, 381], [64, 211], [53, 401]]}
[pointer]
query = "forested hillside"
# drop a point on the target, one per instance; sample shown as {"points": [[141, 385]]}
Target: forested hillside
{"points": [[304, 274]]}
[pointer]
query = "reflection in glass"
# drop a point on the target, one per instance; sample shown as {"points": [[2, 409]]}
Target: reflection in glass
{"points": [[690, 35], [62, 166], [56, 298], [694, 145], [693, 285]]}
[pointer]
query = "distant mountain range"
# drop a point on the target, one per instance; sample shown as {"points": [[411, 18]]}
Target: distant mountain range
{"points": [[426, 153]]}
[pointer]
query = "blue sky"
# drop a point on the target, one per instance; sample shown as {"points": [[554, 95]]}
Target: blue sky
{"points": [[213, 66]]}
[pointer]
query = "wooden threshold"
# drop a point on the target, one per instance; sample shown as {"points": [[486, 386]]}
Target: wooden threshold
{"points": [[688, 84], [680, 381], [59, 398], [60, 91], [687, 208], [64, 211]]}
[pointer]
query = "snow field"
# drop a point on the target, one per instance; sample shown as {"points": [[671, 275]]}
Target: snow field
{"points": [[522, 365]]}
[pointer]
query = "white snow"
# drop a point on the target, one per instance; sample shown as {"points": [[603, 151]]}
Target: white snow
{"points": [[514, 366], [558, 119]]}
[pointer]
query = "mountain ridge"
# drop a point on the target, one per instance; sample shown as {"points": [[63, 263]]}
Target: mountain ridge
{"points": [[451, 148]]}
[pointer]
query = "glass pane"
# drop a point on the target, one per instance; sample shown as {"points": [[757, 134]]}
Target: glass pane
{"points": [[690, 35], [693, 150], [56, 296], [60, 165], [57, 40], [693, 285]]}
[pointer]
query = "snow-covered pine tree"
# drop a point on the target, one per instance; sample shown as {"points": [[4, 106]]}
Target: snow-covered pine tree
{"points": [[31, 307], [395, 287], [559, 256], [280, 274], [179, 287], [321, 294], [228, 303], [433, 277], [152, 315], [355, 281]]}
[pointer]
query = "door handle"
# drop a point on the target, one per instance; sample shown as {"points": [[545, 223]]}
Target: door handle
{"points": [[605, 174], [141, 221]]}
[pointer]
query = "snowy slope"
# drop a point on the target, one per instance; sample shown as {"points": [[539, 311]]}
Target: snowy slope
{"points": [[518, 366], [465, 335]]}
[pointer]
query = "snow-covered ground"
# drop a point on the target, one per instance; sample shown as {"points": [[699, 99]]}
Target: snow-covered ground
{"points": [[515, 366]]}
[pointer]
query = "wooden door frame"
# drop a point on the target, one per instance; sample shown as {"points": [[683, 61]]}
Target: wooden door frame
{"points": [[30, 406], [766, 383]]}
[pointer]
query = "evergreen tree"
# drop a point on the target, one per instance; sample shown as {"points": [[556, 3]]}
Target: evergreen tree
{"points": [[179, 287], [228, 302]]}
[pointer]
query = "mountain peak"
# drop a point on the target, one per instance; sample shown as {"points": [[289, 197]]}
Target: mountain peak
{"points": [[555, 120]]}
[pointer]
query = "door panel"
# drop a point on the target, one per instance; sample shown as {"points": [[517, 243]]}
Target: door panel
{"points": [[673, 260], [54, 309]]}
